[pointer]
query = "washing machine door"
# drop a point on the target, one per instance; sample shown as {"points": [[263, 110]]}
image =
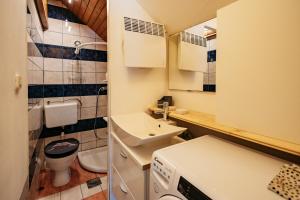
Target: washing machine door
{"points": [[169, 197]]}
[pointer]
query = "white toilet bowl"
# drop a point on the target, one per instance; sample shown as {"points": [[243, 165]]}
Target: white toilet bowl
{"points": [[59, 157]]}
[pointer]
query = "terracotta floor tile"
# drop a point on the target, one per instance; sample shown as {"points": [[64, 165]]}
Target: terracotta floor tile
{"points": [[84, 175], [78, 176], [98, 196]]}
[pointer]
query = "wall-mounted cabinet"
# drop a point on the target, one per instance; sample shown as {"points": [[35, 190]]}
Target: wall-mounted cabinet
{"points": [[144, 44], [192, 52]]}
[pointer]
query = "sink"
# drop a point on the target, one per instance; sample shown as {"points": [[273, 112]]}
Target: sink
{"points": [[139, 128]]}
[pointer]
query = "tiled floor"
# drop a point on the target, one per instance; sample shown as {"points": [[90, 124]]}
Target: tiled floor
{"points": [[76, 189]]}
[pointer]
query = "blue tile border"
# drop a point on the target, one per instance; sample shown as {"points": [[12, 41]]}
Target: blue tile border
{"points": [[60, 13], [209, 88], [211, 56], [82, 125], [62, 52], [65, 90]]}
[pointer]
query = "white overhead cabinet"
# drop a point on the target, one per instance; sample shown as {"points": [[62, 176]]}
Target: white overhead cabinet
{"points": [[144, 44], [192, 52]]}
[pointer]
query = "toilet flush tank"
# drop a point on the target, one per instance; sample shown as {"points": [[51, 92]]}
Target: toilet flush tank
{"points": [[61, 114]]}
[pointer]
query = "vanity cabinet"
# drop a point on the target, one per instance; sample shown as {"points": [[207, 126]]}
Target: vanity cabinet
{"points": [[130, 169], [131, 175]]}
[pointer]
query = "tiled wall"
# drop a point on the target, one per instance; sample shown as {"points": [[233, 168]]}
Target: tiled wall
{"points": [[209, 82], [56, 74], [68, 76]]}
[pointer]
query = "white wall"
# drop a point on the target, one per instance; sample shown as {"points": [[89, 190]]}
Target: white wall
{"points": [[13, 106], [196, 101], [258, 67], [130, 89]]}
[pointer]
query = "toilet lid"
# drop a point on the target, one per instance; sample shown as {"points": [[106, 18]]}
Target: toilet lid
{"points": [[61, 148]]}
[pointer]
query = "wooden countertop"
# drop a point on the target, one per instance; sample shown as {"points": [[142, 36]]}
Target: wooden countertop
{"points": [[209, 121]]}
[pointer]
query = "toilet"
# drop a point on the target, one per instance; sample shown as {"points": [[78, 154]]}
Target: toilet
{"points": [[60, 155]]}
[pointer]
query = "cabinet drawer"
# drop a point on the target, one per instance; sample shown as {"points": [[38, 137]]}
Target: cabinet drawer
{"points": [[133, 176], [119, 188]]}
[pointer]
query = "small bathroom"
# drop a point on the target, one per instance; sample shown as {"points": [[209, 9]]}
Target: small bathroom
{"points": [[150, 100]]}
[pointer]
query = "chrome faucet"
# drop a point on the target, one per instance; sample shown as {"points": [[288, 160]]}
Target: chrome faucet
{"points": [[165, 110]]}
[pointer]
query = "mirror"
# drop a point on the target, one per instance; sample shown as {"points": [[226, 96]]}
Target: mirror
{"points": [[192, 58]]}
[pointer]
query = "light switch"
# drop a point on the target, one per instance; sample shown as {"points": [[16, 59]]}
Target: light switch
{"points": [[18, 82]]}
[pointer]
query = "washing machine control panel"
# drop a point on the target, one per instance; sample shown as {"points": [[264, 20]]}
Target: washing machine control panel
{"points": [[189, 191], [164, 169]]}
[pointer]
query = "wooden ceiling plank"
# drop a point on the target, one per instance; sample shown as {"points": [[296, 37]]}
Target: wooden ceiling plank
{"points": [[100, 19], [83, 7], [97, 11], [76, 7], [89, 11], [102, 27]]}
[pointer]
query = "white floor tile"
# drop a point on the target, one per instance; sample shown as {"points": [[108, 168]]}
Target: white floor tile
{"points": [[104, 182], [71, 194], [55, 196], [86, 192]]}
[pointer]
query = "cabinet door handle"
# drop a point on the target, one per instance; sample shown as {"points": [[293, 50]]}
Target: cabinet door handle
{"points": [[123, 154], [123, 188]]}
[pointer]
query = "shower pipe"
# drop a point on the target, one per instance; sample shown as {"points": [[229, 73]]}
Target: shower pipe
{"points": [[79, 46]]}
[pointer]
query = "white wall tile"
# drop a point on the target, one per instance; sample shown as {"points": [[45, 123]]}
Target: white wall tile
{"points": [[28, 20], [88, 78], [88, 40], [55, 25], [102, 47], [86, 31], [71, 28], [88, 145], [87, 136], [102, 100], [88, 113], [53, 77], [71, 65], [51, 139], [102, 133], [71, 194], [101, 143], [101, 66], [35, 77], [100, 77], [212, 78], [88, 101], [213, 44], [102, 111], [68, 40], [32, 66], [52, 64], [73, 135], [52, 38], [72, 77], [38, 61], [53, 100], [87, 66], [205, 78]]}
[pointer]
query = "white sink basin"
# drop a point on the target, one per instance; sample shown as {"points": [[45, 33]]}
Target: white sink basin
{"points": [[139, 128]]}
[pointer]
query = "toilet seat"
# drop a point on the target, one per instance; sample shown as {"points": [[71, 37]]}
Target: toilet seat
{"points": [[61, 148]]}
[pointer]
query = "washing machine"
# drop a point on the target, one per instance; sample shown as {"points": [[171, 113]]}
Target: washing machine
{"points": [[209, 168]]}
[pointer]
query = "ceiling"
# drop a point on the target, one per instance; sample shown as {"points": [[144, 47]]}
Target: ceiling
{"points": [[91, 12], [178, 15]]}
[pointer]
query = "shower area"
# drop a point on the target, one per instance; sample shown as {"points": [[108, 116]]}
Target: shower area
{"points": [[94, 160], [67, 63]]}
